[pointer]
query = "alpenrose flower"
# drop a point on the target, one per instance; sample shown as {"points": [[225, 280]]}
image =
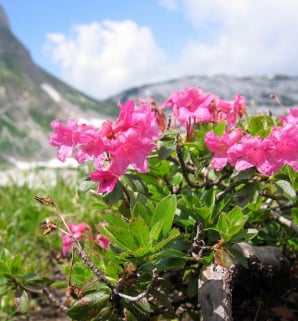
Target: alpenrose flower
{"points": [[268, 155], [103, 241], [77, 231], [220, 146], [113, 147], [193, 104]]}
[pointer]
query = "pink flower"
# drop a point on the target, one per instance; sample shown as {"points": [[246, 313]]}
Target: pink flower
{"points": [[283, 146], [220, 145], [107, 180], [77, 231], [292, 118], [103, 241], [190, 103], [228, 110], [248, 153], [90, 143], [130, 148], [63, 137], [80, 141], [141, 119]]}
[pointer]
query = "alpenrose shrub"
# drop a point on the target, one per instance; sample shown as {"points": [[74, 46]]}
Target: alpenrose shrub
{"points": [[177, 185]]}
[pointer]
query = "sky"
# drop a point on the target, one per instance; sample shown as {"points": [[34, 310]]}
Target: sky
{"points": [[102, 47]]}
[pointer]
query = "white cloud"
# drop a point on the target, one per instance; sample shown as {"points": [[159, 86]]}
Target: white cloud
{"points": [[246, 37], [243, 37], [170, 5], [105, 58]]}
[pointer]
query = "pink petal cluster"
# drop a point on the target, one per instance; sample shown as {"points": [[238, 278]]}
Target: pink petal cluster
{"points": [[77, 231], [113, 147], [199, 107], [267, 154], [103, 241]]}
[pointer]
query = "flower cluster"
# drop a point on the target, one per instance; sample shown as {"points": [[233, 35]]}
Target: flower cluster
{"points": [[112, 148], [267, 154], [130, 139], [192, 104], [77, 231]]}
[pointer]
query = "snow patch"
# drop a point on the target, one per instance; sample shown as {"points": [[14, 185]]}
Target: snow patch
{"points": [[53, 93], [38, 174], [52, 163]]}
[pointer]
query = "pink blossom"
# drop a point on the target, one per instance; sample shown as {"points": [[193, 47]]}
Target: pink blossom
{"points": [[114, 147], [141, 119], [220, 145], [228, 110], [63, 137], [103, 241], [80, 141], [292, 118], [247, 153], [130, 149], [195, 105], [283, 143], [190, 103], [106, 178], [77, 231]]}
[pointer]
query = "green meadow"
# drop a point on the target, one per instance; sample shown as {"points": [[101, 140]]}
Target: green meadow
{"points": [[21, 235]]}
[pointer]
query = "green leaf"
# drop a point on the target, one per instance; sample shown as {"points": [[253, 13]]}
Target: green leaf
{"points": [[238, 256], [155, 231], [142, 206], [135, 182], [203, 213], [208, 198], [172, 235], [230, 224], [260, 125], [244, 235], [34, 288], [117, 230], [169, 259], [165, 212], [287, 189], [114, 196], [165, 145], [22, 300], [140, 231], [89, 307], [293, 243], [86, 186], [139, 310], [220, 128], [247, 194], [32, 277]]}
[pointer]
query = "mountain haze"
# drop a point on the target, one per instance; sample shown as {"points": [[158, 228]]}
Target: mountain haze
{"points": [[30, 98]]}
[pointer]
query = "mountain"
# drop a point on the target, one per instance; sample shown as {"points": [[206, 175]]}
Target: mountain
{"points": [[257, 90], [30, 98]]}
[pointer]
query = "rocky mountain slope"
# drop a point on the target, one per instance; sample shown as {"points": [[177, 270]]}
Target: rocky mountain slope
{"points": [[30, 98], [257, 90]]}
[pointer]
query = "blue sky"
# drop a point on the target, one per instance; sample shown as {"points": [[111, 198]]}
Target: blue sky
{"points": [[102, 47]]}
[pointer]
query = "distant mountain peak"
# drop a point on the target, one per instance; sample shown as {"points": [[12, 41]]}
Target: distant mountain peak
{"points": [[30, 98], [4, 23]]}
